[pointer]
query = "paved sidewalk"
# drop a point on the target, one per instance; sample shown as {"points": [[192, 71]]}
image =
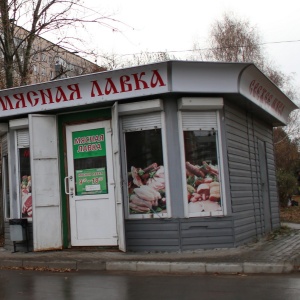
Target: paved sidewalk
{"points": [[280, 254]]}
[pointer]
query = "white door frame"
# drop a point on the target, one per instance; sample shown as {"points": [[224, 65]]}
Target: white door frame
{"points": [[92, 216], [118, 180]]}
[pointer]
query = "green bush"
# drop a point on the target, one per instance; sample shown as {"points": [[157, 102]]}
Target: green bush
{"points": [[286, 184]]}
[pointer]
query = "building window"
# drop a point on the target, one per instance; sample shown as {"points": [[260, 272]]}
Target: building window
{"points": [[34, 69], [147, 196], [202, 164], [43, 57], [36, 55]]}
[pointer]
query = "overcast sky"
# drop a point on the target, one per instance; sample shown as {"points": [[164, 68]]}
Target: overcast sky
{"points": [[161, 25]]}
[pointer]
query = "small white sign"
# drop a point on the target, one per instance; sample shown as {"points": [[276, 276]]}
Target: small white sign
{"points": [[89, 188]]}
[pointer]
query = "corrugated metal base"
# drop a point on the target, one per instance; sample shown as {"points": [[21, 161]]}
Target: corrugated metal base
{"points": [[179, 234]]}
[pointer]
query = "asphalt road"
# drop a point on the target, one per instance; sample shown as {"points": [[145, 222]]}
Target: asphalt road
{"points": [[40, 285]]}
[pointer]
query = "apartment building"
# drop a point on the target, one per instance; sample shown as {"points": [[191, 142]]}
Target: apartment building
{"points": [[50, 61]]}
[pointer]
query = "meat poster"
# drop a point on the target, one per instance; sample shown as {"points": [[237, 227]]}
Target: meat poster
{"points": [[26, 196], [146, 188], [203, 188]]}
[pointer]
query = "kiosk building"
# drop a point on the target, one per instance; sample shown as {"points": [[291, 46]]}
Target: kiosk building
{"points": [[162, 157]]}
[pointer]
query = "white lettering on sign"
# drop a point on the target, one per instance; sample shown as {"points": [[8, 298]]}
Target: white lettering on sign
{"points": [[89, 139], [88, 148]]}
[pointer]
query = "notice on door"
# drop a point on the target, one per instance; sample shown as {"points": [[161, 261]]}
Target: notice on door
{"points": [[91, 181]]}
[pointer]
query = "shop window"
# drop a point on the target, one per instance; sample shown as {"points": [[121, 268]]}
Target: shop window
{"points": [[146, 176], [16, 184], [202, 164], [147, 196], [22, 162], [25, 179]]}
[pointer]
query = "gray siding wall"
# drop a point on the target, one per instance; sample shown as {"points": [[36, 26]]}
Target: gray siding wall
{"points": [[173, 157], [242, 132]]}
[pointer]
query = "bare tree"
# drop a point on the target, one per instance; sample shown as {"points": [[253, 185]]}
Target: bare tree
{"points": [[234, 40], [22, 21], [113, 61], [287, 164], [146, 57]]}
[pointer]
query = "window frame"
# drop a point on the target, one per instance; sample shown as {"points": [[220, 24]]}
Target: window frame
{"points": [[20, 179], [15, 126], [18, 168], [43, 57], [43, 71], [220, 159], [145, 108]]}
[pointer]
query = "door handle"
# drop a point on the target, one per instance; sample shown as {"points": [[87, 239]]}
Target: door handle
{"points": [[68, 190]]}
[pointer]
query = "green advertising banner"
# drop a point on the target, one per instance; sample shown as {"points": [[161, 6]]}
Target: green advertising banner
{"points": [[89, 143], [91, 182]]}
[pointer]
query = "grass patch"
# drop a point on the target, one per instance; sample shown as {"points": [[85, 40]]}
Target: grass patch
{"points": [[282, 231], [290, 214], [1, 240]]}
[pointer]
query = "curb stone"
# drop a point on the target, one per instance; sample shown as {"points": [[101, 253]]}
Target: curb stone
{"points": [[224, 268], [62, 265], [153, 266], [91, 265], [257, 268], [159, 267], [11, 263], [181, 267], [121, 266]]}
